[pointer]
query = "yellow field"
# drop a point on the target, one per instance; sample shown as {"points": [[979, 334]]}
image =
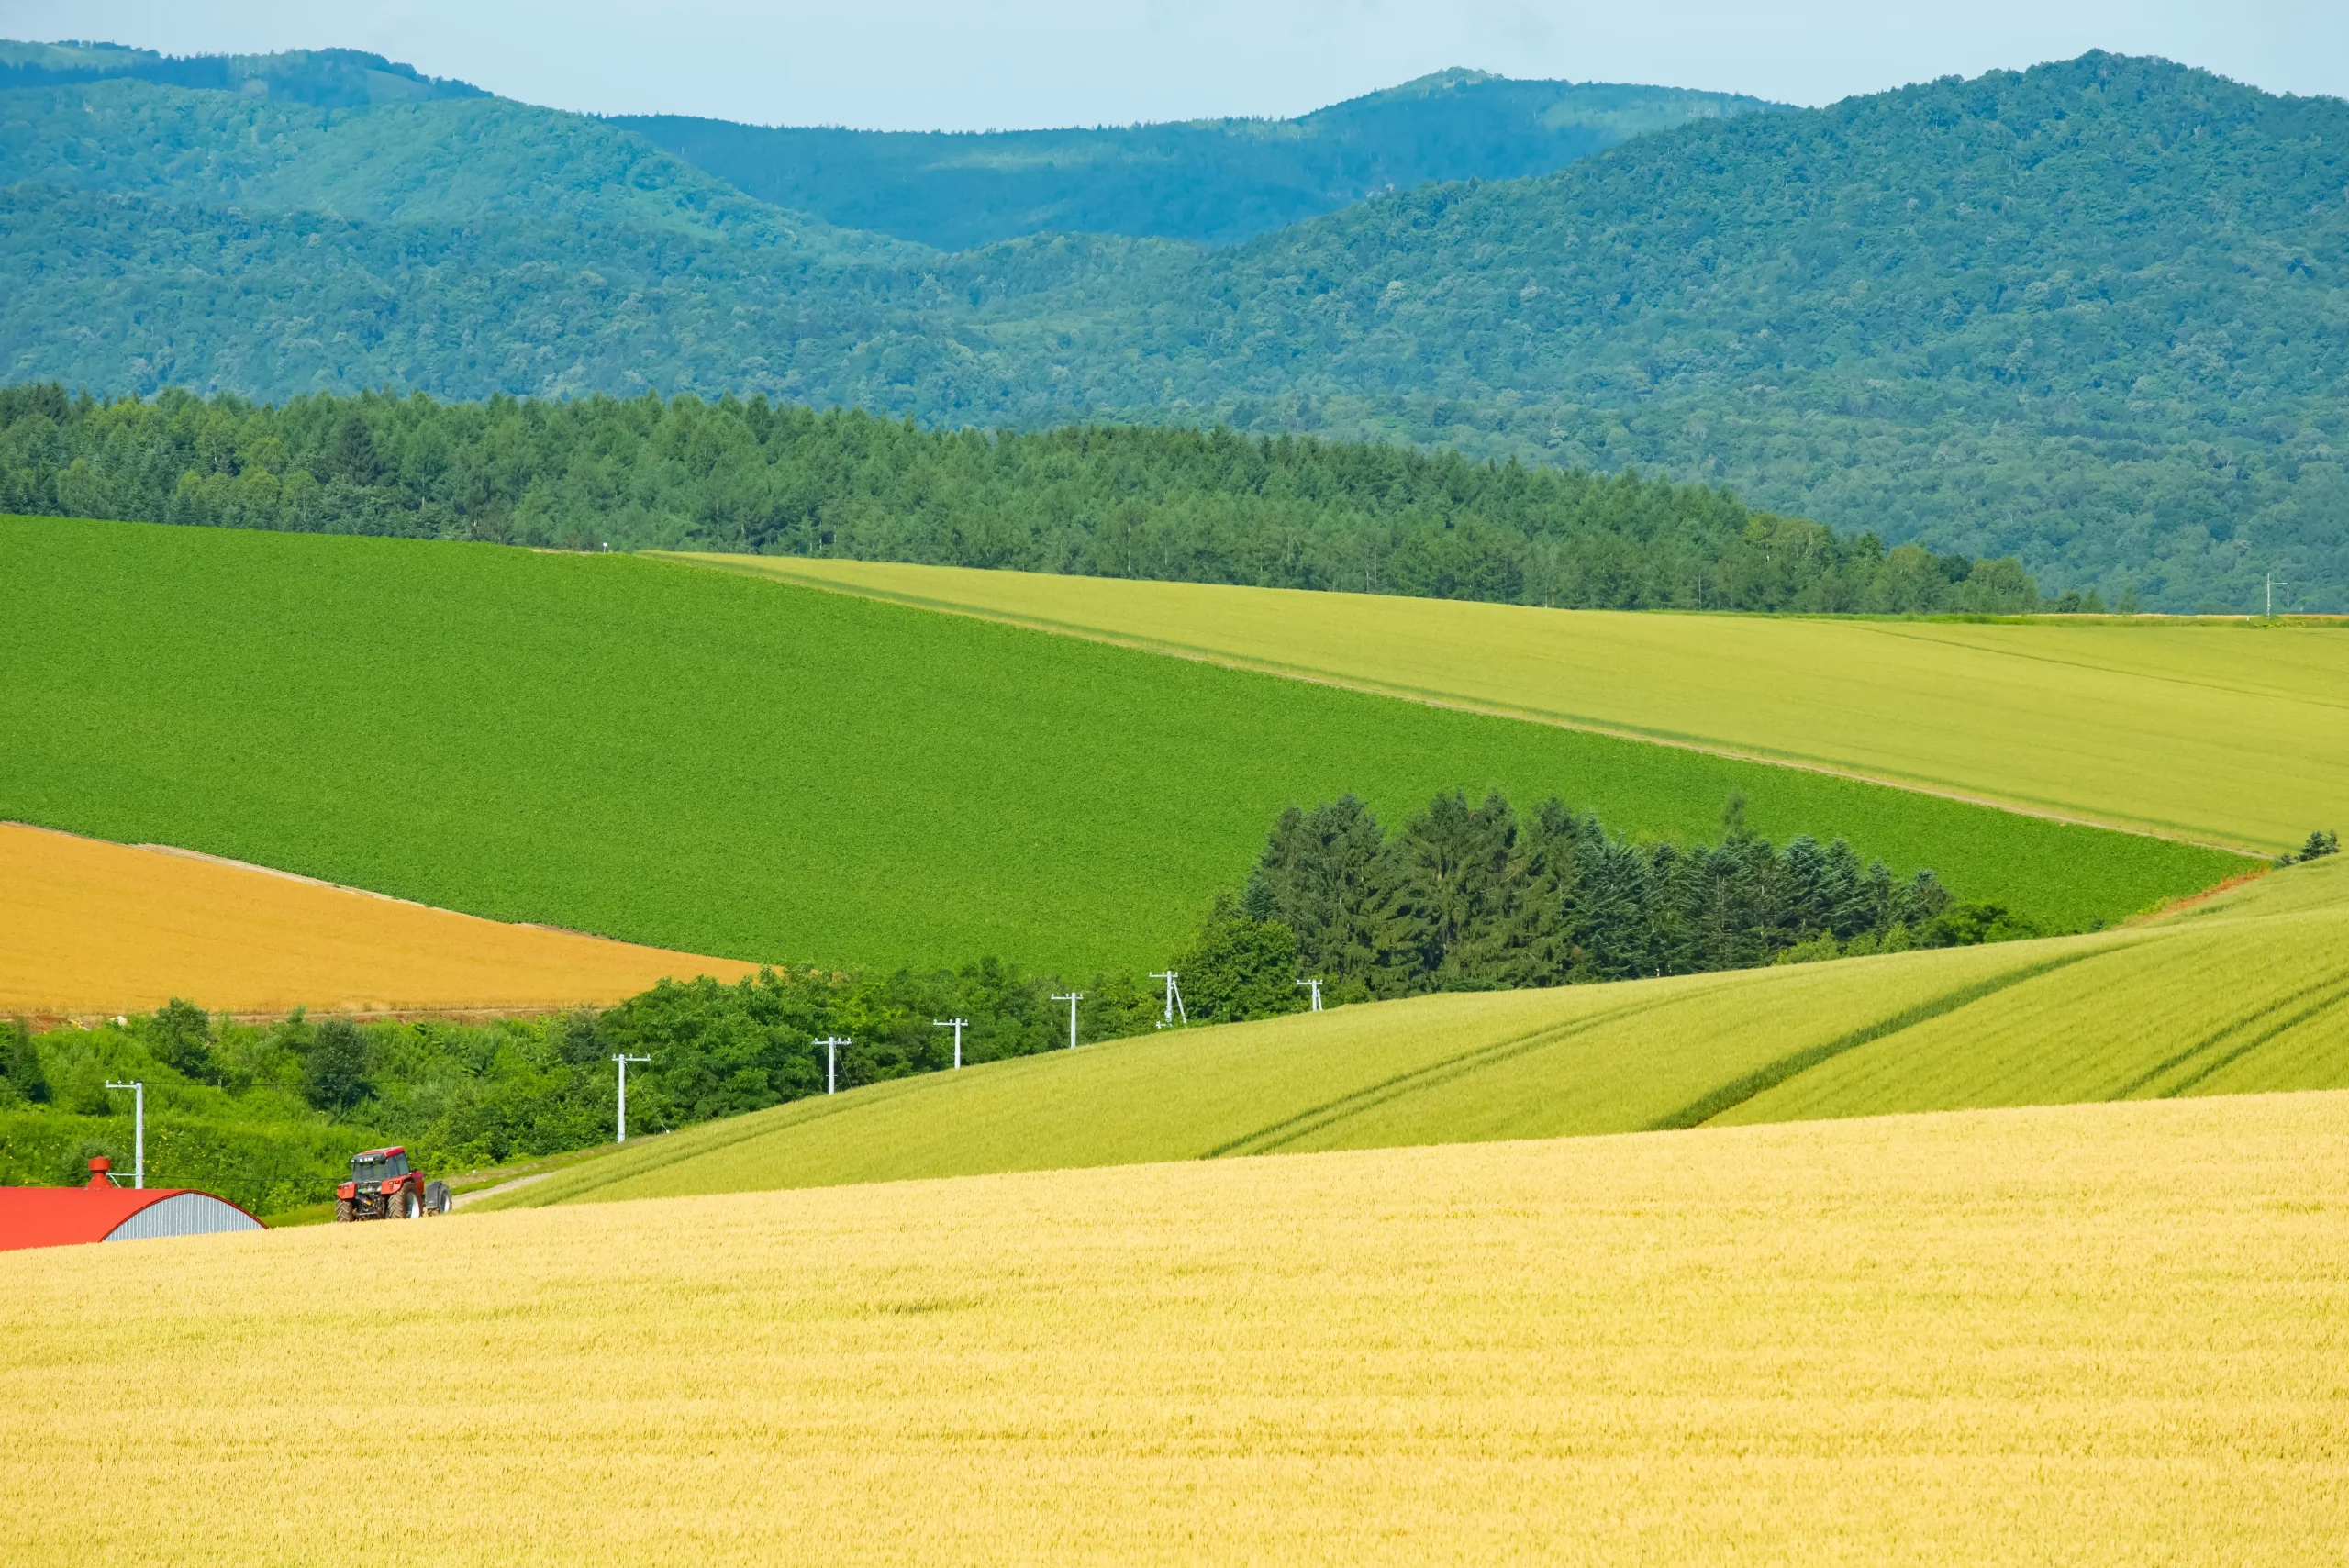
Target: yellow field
{"points": [[87, 927], [2243, 992], [2220, 732], [2098, 1335]]}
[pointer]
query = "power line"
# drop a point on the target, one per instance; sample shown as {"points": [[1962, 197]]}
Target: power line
{"points": [[1072, 999], [623, 1061], [958, 1025], [833, 1061], [1313, 985], [138, 1130], [1174, 997]]}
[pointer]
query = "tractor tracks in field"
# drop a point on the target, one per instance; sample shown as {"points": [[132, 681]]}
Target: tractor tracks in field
{"points": [[1696, 1113], [1762, 1080], [1276, 1135], [2329, 993]]}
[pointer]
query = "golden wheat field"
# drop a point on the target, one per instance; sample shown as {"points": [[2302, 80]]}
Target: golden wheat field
{"points": [[88, 927], [2226, 732], [2086, 1335]]}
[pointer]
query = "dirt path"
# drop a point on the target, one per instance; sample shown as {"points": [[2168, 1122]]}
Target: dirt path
{"points": [[459, 1200]]}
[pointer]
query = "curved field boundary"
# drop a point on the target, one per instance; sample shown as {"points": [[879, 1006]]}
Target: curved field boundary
{"points": [[90, 929], [2145, 727]]}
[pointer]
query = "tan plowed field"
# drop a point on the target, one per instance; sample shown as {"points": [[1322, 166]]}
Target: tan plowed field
{"points": [[89, 927]]}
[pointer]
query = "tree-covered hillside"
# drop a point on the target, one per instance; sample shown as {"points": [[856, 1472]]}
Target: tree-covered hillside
{"points": [[1208, 181], [470, 165], [2094, 313], [2090, 315], [1108, 501], [328, 78]]}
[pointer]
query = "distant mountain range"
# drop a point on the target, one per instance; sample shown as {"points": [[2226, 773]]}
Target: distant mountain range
{"points": [[2092, 315], [323, 78], [1210, 181]]}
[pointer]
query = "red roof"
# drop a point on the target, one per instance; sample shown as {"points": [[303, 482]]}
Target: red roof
{"points": [[61, 1217]]}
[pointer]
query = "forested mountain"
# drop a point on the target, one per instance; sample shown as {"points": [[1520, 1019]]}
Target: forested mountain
{"points": [[327, 78], [559, 182], [2091, 315], [1210, 181]]}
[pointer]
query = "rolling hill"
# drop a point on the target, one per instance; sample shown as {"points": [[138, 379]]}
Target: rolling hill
{"points": [[2084, 315], [2076, 1336], [2228, 733], [2242, 993], [691, 760], [1210, 182]]}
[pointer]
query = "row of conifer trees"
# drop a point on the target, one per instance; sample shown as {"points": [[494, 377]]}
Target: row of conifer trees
{"points": [[1478, 897]]}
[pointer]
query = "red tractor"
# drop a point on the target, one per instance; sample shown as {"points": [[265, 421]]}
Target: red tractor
{"points": [[382, 1188]]}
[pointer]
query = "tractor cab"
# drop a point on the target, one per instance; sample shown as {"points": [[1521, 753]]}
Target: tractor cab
{"points": [[379, 1165]]}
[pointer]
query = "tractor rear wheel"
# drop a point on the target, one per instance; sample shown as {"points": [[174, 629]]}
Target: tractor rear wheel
{"points": [[403, 1205], [342, 1210]]}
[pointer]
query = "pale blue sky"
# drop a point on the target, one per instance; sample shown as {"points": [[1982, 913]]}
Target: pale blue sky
{"points": [[918, 65]]}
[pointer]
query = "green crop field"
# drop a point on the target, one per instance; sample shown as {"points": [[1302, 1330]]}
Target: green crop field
{"points": [[699, 761], [2244, 993], [2227, 732]]}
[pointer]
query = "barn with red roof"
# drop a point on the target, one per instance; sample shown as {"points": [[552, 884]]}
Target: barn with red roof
{"points": [[63, 1216]]}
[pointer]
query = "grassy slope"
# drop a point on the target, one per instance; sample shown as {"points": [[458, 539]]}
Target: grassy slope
{"points": [[2088, 1335], [699, 762], [2247, 993], [2222, 732]]}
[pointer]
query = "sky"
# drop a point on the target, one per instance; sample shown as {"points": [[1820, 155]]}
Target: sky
{"points": [[981, 64]]}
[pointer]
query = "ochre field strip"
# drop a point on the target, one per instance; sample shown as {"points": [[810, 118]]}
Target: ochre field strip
{"points": [[2224, 735], [93, 928], [2092, 1335]]}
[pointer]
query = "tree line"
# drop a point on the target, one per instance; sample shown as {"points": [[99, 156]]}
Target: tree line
{"points": [[1098, 500], [1477, 897]]}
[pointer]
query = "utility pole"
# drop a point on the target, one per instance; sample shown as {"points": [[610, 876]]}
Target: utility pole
{"points": [[833, 1061], [1174, 997], [1072, 999], [1313, 985], [138, 1130], [958, 1025], [624, 1060]]}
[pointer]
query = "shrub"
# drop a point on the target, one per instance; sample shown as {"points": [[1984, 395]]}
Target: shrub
{"points": [[334, 1075]]}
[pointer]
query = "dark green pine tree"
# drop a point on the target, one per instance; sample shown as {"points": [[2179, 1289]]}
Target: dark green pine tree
{"points": [[1611, 925], [1338, 884], [1802, 883], [1843, 910], [1465, 883]]}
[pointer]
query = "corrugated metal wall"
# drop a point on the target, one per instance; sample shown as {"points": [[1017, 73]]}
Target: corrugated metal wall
{"points": [[183, 1214]]}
